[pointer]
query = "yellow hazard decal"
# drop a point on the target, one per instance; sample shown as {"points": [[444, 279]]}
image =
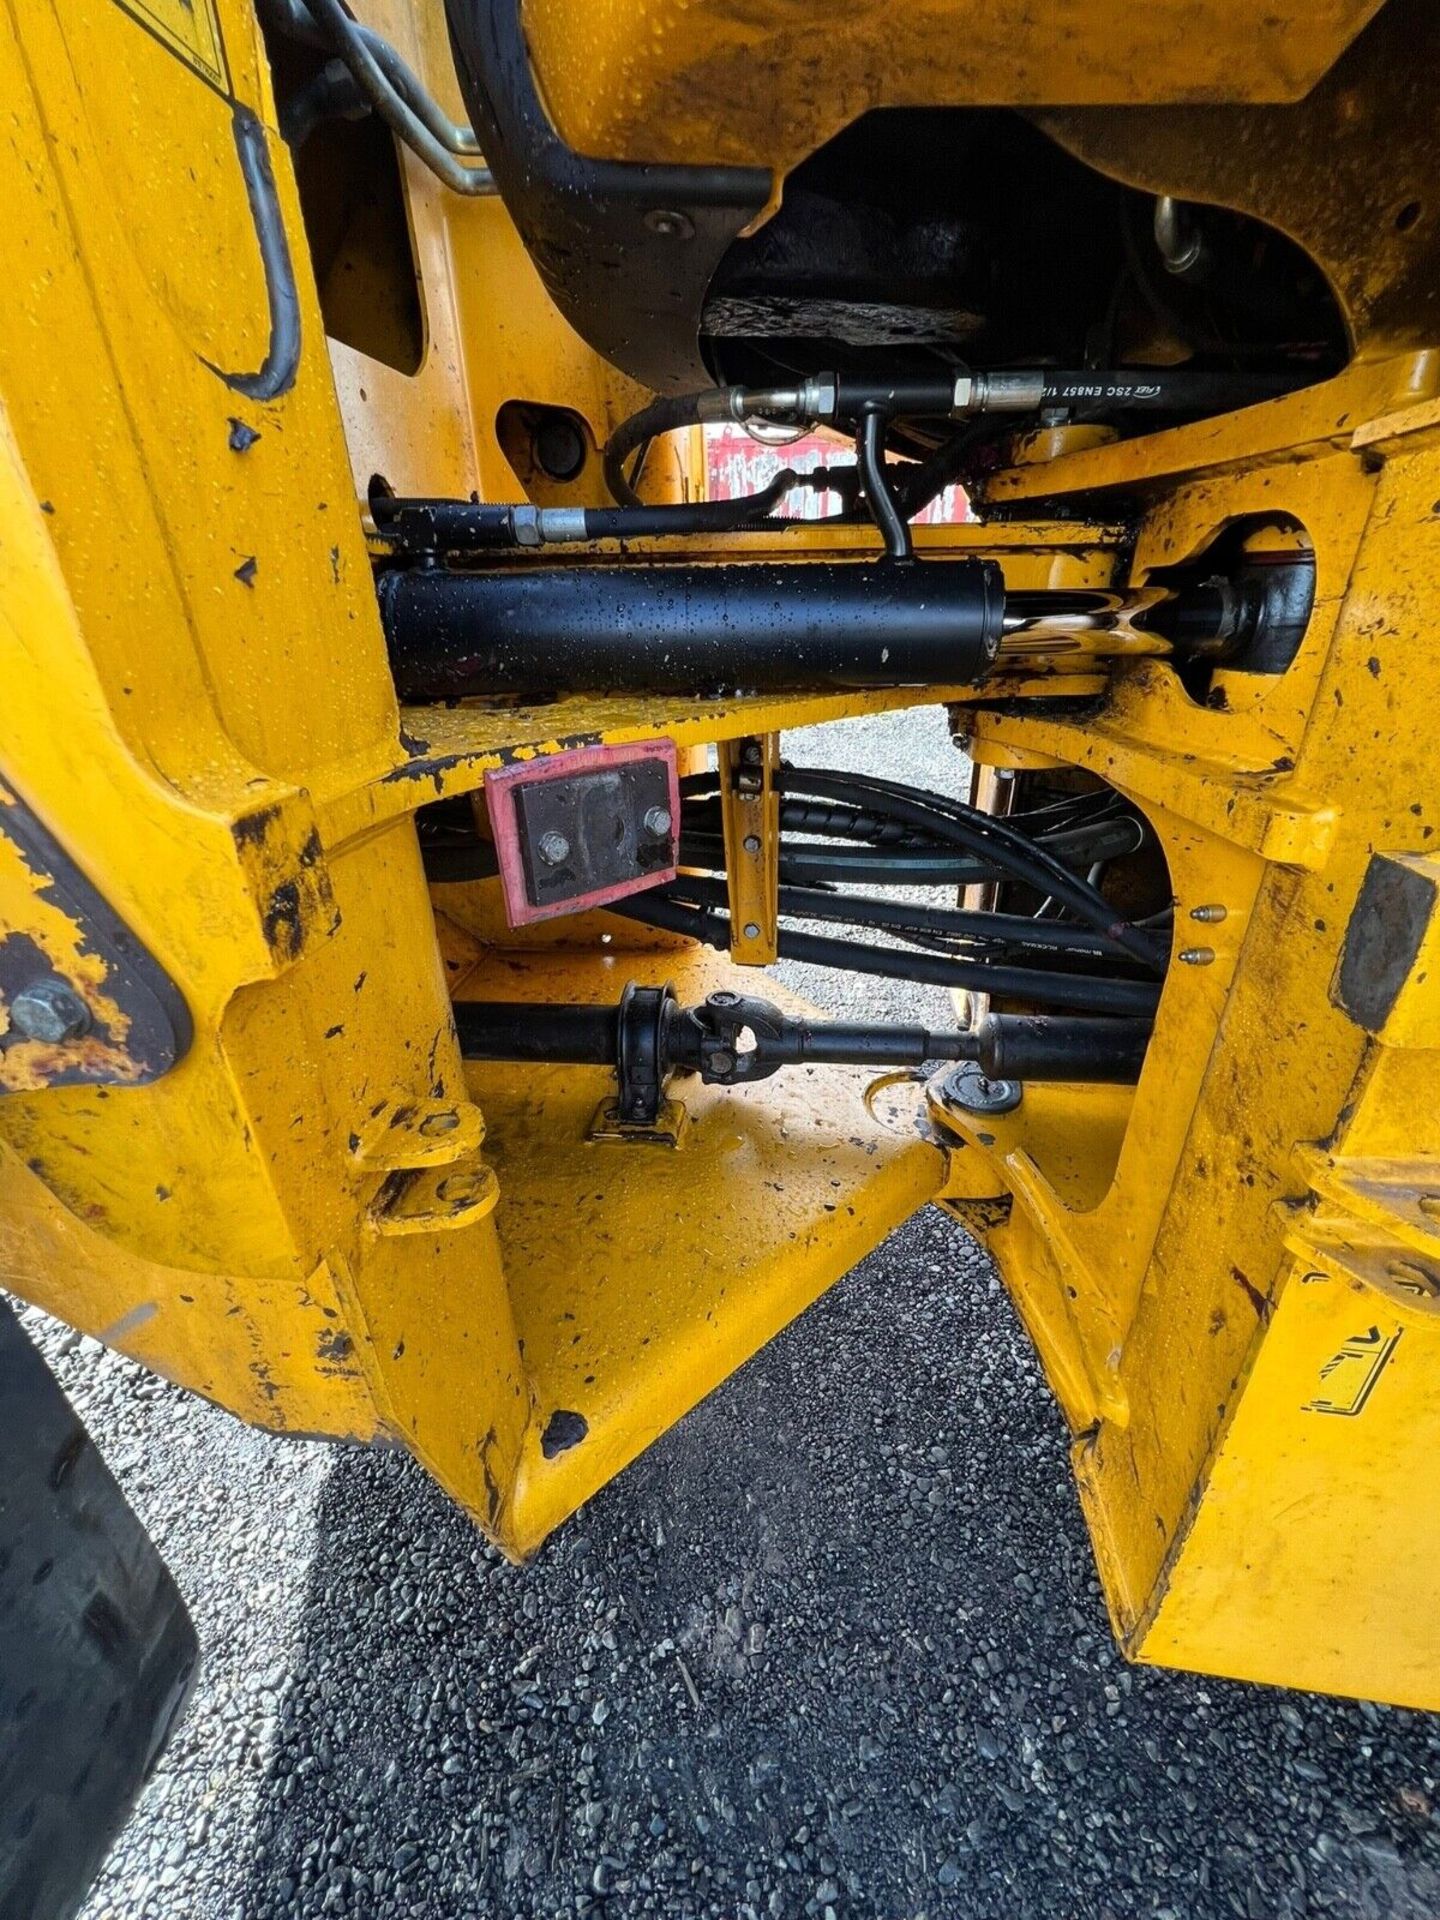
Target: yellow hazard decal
{"points": [[189, 28]]}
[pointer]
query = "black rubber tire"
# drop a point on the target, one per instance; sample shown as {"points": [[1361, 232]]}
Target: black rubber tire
{"points": [[97, 1652]]}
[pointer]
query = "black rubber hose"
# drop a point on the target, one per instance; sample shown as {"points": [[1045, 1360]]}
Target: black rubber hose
{"points": [[1023, 858], [657, 909], [861, 910], [1160, 390], [1007, 930], [468, 526], [665, 415], [870, 458]]}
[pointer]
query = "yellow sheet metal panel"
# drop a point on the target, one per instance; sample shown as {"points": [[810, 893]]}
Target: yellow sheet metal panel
{"points": [[1239, 1466], [1315, 1531], [715, 80], [641, 1275]]}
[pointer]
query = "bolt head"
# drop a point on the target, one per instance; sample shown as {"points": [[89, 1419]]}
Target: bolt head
{"points": [[752, 843], [752, 930], [553, 848], [973, 1091], [657, 822], [670, 223], [49, 1010]]}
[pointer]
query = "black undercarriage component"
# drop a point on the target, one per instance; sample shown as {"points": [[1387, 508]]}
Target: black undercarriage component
{"points": [[1072, 946], [590, 832], [923, 235], [687, 628], [626, 251], [653, 627], [731, 1039]]}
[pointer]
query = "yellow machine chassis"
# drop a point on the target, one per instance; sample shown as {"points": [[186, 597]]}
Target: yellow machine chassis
{"points": [[324, 1221]]}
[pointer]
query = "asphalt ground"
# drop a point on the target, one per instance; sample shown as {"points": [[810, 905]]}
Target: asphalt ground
{"points": [[834, 1646]]}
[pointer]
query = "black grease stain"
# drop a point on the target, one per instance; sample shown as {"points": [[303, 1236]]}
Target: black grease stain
{"points": [[255, 827], [1252, 1294], [282, 923]]}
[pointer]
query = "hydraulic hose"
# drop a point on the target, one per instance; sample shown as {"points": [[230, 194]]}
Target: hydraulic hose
{"points": [[391, 105], [1083, 993], [423, 526], [984, 834], [870, 457], [668, 414]]}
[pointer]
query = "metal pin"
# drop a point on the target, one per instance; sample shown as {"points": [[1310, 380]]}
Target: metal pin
{"points": [[1209, 914], [1197, 956]]}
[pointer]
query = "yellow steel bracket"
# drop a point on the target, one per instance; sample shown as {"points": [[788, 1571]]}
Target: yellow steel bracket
{"points": [[750, 810]]}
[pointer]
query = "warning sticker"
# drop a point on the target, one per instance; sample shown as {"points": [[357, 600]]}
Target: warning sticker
{"points": [[189, 28], [1349, 1376]]}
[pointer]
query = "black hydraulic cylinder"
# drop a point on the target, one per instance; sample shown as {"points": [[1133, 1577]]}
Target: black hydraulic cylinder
{"points": [[762, 626]]}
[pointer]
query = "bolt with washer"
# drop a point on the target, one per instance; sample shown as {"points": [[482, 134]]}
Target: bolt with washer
{"points": [[553, 848], [974, 1091], [657, 822], [49, 1010]]}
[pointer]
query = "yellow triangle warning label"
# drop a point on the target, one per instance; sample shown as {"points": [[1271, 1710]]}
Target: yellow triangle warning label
{"points": [[189, 28]]}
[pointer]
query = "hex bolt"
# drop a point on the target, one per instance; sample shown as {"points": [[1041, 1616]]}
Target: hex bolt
{"points": [[1210, 915], [752, 931], [657, 822], [751, 843], [49, 1010], [553, 848], [750, 753], [1197, 956]]}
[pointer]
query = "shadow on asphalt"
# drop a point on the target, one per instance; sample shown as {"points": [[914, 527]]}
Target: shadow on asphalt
{"points": [[835, 1642]]}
